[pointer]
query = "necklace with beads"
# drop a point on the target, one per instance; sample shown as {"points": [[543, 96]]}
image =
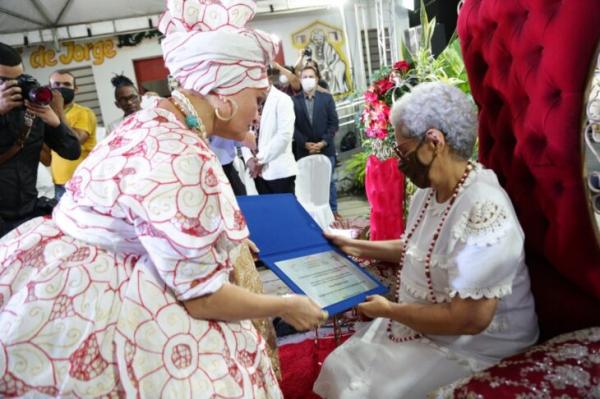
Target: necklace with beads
{"points": [[192, 120], [406, 238]]}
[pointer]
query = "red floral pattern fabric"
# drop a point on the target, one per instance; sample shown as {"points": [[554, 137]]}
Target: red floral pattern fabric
{"points": [[90, 300], [567, 366]]}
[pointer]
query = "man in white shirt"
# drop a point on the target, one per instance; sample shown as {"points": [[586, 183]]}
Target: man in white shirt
{"points": [[272, 165]]}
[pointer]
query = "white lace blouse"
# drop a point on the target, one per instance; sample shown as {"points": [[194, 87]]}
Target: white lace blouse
{"points": [[479, 253]]}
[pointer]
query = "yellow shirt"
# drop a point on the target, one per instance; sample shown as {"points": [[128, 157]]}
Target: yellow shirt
{"points": [[78, 117]]}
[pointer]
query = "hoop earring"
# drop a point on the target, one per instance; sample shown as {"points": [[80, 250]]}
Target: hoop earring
{"points": [[234, 110]]}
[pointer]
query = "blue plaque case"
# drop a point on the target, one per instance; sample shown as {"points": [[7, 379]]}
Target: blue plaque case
{"points": [[282, 230]]}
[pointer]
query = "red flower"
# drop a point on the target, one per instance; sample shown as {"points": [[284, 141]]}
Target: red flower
{"points": [[382, 112], [364, 118], [384, 85], [376, 120], [370, 97], [376, 133], [402, 66]]}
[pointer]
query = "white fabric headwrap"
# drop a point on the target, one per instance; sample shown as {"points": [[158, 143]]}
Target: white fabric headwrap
{"points": [[208, 48]]}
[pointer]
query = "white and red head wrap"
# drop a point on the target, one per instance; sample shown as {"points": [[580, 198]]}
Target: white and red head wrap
{"points": [[208, 47]]}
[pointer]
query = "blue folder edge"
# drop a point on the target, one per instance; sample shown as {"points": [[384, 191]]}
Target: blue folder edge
{"points": [[282, 229]]}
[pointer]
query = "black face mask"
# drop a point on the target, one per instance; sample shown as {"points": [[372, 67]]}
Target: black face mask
{"points": [[414, 169], [68, 94]]}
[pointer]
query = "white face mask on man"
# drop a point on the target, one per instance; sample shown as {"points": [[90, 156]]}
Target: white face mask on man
{"points": [[309, 84], [283, 80]]}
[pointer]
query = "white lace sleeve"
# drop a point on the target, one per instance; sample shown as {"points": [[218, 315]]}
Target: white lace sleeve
{"points": [[488, 252]]}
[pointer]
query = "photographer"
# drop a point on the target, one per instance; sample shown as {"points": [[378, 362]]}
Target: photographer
{"points": [[285, 79], [26, 123], [306, 60]]}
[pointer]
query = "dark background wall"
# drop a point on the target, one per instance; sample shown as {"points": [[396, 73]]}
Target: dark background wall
{"points": [[445, 14]]}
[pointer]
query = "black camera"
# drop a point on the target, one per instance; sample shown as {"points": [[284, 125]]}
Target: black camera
{"points": [[307, 53], [32, 90]]}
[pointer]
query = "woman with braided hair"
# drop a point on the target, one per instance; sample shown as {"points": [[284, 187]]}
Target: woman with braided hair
{"points": [[127, 99]]}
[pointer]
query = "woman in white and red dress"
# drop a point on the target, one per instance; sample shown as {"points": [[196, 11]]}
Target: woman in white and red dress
{"points": [[125, 291]]}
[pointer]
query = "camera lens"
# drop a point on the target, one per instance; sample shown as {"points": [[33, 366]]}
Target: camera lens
{"points": [[40, 95], [32, 90]]}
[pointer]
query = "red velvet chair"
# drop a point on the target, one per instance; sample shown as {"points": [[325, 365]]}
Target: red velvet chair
{"points": [[528, 63]]}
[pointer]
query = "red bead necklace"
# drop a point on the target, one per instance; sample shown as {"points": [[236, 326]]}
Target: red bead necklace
{"points": [[436, 235]]}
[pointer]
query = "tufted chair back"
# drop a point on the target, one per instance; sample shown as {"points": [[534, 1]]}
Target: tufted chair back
{"points": [[528, 63]]}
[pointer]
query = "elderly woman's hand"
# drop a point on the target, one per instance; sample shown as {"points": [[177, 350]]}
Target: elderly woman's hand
{"points": [[375, 306], [303, 313], [346, 244]]}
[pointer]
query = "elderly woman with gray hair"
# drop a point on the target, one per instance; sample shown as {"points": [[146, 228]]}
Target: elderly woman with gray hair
{"points": [[464, 300]]}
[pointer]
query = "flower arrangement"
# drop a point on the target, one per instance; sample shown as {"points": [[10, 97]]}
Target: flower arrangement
{"points": [[388, 84], [383, 182], [391, 83]]}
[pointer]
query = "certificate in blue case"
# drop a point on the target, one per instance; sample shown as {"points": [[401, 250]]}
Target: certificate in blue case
{"points": [[283, 230]]}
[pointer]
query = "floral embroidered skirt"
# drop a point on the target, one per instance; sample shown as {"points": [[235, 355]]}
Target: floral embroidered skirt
{"points": [[77, 320]]}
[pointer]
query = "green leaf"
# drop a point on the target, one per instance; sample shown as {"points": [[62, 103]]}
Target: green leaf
{"points": [[357, 166]]}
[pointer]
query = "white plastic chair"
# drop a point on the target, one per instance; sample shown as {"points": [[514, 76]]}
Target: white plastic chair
{"points": [[312, 188]]}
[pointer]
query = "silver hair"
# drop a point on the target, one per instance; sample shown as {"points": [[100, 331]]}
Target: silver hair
{"points": [[438, 105]]}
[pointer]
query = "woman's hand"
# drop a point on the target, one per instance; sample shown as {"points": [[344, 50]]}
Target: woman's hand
{"points": [[348, 245], [375, 306], [303, 313]]}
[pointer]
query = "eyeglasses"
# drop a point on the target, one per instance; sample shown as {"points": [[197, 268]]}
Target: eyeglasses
{"points": [[127, 99], [399, 153], [403, 155]]}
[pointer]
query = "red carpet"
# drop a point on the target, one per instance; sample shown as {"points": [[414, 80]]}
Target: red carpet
{"points": [[300, 365]]}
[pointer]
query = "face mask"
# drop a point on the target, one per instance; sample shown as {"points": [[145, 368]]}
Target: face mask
{"points": [[309, 84], [283, 80], [68, 94], [415, 170]]}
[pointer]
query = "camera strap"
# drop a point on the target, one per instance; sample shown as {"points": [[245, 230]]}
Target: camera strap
{"points": [[21, 139]]}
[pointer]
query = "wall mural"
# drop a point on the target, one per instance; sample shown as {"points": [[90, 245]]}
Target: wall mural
{"points": [[97, 51], [325, 44]]}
